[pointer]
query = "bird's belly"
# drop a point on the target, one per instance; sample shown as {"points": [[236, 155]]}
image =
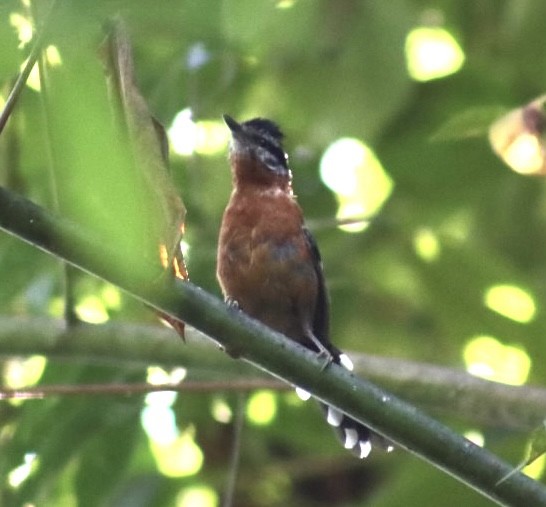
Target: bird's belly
{"points": [[270, 285]]}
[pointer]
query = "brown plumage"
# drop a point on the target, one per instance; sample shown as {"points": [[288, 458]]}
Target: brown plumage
{"points": [[268, 262]]}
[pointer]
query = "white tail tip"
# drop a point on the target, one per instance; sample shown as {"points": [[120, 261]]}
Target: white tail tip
{"points": [[334, 417], [365, 449], [351, 438], [346, 362], [303, 394]]}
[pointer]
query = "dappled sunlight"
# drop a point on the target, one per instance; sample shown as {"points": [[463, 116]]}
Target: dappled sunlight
{"points": [[285, 4], [475, 436], [176, 453], [426, 244], [512, 302], [183, 133], [536, 469], [205, 137], [56, 306], [158, 376], [33, 80], [488, 358], [409, 231], [20, 474], [19, 373], [197, 496], [180, 458], [53, 59], [525, 155], [517, 138], [111, 297], [354, 173], [23, 27], [92, 309], [221, 411], [157, 417], [432, 53], [261, 408], [25, 32]]}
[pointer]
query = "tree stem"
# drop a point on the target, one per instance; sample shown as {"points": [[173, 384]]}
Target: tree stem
{"points": [[248, 339]]}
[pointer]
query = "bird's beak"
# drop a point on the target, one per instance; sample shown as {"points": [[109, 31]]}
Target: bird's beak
{"points": [[235, 127]]}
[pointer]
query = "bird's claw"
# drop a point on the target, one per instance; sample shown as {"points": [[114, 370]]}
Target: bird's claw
{"points": [[232, 303], [328, 358]]}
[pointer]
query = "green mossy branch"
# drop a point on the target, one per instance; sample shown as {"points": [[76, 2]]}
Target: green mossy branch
{"points": [[248, 339]]}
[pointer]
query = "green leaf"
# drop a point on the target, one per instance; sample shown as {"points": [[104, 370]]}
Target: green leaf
{"points": [[474, 122]]}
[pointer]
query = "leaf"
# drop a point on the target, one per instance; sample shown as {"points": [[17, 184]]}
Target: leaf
{"points": [[536, 448], [474, 122], [148, 142]]}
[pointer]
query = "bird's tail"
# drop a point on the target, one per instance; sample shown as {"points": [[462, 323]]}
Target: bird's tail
{"points": [[354, 436]]}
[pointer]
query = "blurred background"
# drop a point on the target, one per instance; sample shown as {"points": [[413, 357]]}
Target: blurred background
{"points": [[433, 247]]}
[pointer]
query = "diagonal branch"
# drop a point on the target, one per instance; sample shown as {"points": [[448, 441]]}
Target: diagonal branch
{"points": [[253, 342], [21, 80]]}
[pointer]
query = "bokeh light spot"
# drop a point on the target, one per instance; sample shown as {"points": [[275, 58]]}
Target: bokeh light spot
{"points": [[159, 423], [111, 296], [180, 458], [53, 57], [536, 468], [488, 358], [261, 407], [354, 173], [512, 302], [23, 26], [157, 417], [426, 245], [432, 53], [176, 453], [157, 375], [517, 138], [285, 4], [221, 411], [20, 373], [92, 309], [20, 474], [206, 137], [197, 496], [476, 437], [525, 154]]}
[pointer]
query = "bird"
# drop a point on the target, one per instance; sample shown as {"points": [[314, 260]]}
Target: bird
{"points": [[268, 263]]}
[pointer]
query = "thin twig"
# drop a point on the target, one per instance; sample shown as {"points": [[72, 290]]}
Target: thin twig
{"points": [[40, 392], [233, 472], [316, 224], [23, 75]]}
